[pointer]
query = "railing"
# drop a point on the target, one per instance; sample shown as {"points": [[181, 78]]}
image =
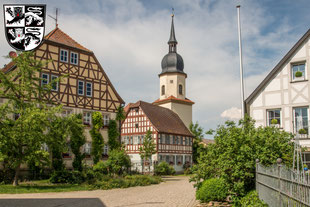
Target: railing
{"points": [[279, 186]]}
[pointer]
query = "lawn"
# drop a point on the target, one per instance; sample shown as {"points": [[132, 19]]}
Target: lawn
{"points": [[42, 186]]}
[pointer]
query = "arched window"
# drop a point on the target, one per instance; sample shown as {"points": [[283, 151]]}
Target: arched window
{"points": [[162, 90], [180, 89]]}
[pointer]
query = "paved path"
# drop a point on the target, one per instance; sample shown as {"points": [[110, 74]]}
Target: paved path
{"points": [[175, 191]]}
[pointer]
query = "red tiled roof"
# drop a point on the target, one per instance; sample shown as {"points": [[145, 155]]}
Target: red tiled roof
{"points": [[163, 119], [57, 35], [173, 99]]}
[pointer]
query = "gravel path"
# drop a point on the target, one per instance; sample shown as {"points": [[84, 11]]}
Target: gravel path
{"points": [[175, 191]]}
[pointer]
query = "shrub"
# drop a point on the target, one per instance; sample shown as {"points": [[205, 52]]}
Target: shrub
{"points": [[213, 189], [127, 181], [118, 162], [101, 167], [64, 176], [298, 74], [164, 168], [6, 175], [237, 146], [252, 200]]}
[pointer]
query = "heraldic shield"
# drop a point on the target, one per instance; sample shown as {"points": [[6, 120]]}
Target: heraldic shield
{"points": [[24, 25]]}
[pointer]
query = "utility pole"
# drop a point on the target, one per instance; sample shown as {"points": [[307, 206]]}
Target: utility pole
{"points": [[241, 63]]}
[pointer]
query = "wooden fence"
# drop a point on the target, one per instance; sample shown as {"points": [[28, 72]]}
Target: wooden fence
{"points": [[280, 186]]}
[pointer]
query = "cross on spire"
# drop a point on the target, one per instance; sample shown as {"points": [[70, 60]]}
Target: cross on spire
{"points": [[55, 18], [172, 40]]}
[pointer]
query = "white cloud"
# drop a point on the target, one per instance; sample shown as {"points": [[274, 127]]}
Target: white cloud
{"points": [[232, 113]]}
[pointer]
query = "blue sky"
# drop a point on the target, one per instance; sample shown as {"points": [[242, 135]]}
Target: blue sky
{"points": [[129, 38]]}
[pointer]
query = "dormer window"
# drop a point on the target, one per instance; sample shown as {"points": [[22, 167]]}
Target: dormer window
{"points": [[74, 58], [64, 55]]}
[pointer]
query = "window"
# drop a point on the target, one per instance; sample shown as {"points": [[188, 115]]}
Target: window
{"points": [[298, 71], [167, 139], [137, 125], [186, 143], [89, 88], [66, 113], [87, 148], [180, 89], [106, 119], [274, 117], [87, 118], [181, 140], [135, 140], [54, 82], [81, 87], [45, 79], [63, 55], [74, 58], [301, 119], [105, 149], [171, 81], [162, 90]]}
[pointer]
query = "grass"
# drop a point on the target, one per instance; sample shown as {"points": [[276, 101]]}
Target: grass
{"points": [[42, 186]]}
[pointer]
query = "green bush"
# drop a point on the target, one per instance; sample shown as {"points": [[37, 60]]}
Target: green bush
{"points": [[213, 189], [7, 176], [126, 182], [65, 176], [302, 131], [164, 168], [252, 200], [118, 162], [101, 167]]}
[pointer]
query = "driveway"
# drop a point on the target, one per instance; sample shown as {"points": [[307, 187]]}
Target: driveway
{"points": [[175, 191]]}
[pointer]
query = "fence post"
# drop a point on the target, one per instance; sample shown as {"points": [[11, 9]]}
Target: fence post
{"points": [[279, 161], [256, 170]]}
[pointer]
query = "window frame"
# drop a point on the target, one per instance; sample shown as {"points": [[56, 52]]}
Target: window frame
{"points": [[77, 58], [57, 83], [296, 79], [294, 118], [67, 52], [90, 118], [42, 79], [180, 91], [269, 120], [91, 89], [78, 88]]}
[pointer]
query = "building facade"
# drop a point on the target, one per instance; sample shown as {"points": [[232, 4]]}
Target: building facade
{"points": [[172, 82], [283, 97], [172, 138], [85, 89]]}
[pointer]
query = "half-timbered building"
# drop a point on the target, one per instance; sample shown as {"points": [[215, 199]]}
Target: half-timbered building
{"points": [[172, 138], [84, 88]]}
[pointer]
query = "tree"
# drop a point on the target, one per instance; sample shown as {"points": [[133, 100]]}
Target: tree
{"points": [[77, 140], [235, 150], [148, 148], [198, 133], [97, 140], [113, 135], [22, 138], [120, 116], [57, 140]]}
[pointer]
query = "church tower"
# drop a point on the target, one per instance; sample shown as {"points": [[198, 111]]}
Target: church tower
{"points": [[172, 82]]}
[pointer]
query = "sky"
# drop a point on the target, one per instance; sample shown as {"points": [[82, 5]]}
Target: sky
{"points": [[129, 38]]}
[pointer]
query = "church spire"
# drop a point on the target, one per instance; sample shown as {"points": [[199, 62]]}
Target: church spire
{"points": [[172, 41]]}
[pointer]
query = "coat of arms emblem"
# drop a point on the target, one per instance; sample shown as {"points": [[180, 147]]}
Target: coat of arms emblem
{"points": [[24, 25]]}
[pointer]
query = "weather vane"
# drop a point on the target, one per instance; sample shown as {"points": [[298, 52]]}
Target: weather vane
{"points": [[172, 12], [55, 18]]}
